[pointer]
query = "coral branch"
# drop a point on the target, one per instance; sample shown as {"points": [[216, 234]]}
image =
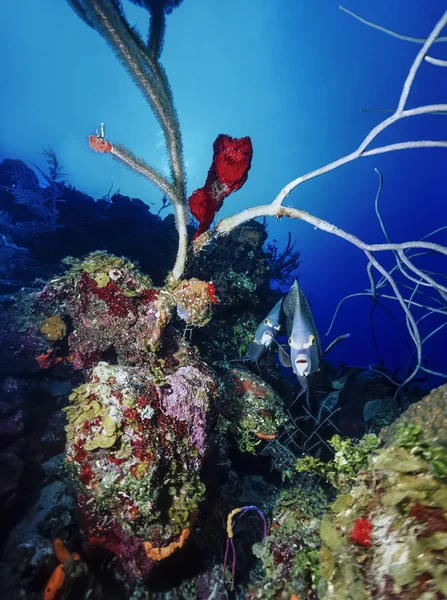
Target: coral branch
{"points": [[142, 63]]}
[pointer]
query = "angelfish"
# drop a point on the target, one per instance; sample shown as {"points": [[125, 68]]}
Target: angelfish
{"points": [[304, 341], [266, 333]]}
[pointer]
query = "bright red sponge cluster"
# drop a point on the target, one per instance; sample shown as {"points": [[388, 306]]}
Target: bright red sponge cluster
{"points": [[227, 174], [361, 534]]}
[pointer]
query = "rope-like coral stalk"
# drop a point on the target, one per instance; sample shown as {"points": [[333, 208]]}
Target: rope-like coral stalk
{"points": [[142, 63]]}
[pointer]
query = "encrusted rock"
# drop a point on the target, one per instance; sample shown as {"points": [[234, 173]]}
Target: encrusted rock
{"points": [[252, 410], [387, 538], [430, 414], [136, 448]]}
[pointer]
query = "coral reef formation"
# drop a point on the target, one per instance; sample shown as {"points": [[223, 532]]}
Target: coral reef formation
{"points": [[290, 555], [386, 535], [112, 307], [251, 411], [137, 431]]}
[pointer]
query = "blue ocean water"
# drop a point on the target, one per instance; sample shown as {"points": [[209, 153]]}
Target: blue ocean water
{"points": [[294, 77]]}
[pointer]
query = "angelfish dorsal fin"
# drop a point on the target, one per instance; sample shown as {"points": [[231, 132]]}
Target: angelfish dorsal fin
{"points": [[289, 306]]}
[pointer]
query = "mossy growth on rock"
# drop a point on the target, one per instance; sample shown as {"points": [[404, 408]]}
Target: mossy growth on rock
{"points": [[112, 308], [350, 458], [136, 447], [429, 414], [386, 536], [194, 300]]}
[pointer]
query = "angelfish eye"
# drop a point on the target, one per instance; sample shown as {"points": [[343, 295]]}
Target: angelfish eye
{"points": [[310, 342]]}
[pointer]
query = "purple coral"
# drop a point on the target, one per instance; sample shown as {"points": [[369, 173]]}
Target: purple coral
{"points": [[181, 400]]}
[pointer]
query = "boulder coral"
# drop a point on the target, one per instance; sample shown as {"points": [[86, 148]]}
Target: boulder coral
{"points": [[252, 410], [113, 308], [386, 537], [136, 449]]}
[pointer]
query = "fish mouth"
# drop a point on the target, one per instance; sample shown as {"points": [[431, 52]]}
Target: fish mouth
{"points": [[302, 364]]}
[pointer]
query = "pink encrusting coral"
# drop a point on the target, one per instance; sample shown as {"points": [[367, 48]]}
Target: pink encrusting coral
{"points": [[177, 402], [227, 174]]}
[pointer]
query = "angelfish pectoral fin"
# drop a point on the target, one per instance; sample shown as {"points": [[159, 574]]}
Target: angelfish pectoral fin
{"points": [[335, 342], [284, 357]]}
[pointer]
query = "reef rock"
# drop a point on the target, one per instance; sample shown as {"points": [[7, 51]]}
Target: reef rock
{"points": [[252, 410], [429, 414], [290, 553], [386, 538], [111, 308], [137, 439]]}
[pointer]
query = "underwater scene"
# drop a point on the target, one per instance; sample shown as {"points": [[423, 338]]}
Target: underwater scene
{"points": [[223, 300]]}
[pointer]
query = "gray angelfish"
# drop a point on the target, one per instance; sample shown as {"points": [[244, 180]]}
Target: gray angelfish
{"points": [[304, 341], [265, 335]]}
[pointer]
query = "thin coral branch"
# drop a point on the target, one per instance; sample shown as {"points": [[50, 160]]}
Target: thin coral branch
{"points": [[436, 61], [388, 31], [142, 63], [392, 110], [425, 279], [363, 152], [283, 265], [406, 38], [125, 156]]}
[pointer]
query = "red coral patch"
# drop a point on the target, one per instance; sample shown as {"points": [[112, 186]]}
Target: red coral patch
{"points": [[432, 517], [361, 534], [227, 174], [117, 304], [99, 144], [212, 292], [87, 474]]}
